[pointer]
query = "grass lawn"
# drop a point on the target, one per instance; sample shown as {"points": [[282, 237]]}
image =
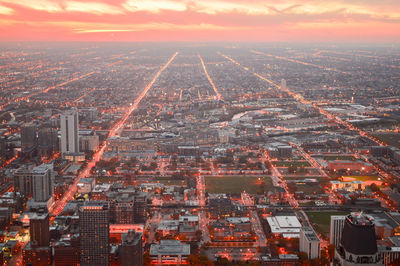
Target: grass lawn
{"points": [[236, 184], [339, 157], [389, 138], [168, 181], [322, 220], [291, 163]]}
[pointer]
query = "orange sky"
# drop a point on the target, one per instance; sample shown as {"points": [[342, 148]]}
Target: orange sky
{"points": [[200, 20]]}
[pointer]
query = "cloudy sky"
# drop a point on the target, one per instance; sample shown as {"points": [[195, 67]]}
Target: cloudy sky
{"points": [[200, 20]]}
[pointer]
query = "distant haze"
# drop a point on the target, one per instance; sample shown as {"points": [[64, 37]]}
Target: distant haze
{"points": [[204, 20]]}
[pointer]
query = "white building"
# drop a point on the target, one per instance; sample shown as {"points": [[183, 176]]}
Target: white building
{"points": [[335, 233], [169, 252], [286, 226], [310, 243], [69, 132], [86, 185]]}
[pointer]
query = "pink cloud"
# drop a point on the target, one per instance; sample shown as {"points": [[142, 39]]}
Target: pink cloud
{"points": [[206, 20]]}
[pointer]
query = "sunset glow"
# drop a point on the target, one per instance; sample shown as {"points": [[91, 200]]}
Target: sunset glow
{"points": [[206, 20]]}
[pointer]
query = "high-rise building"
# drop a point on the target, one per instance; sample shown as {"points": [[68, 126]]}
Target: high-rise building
{"points": [[94, 233], [335, 234], [310, 243], [66, 250], [69, 132], [358, 242], [131, 249], [47, 141], [35, 182], [39, 230], [283, 84], [89, 143], [28, 136]]}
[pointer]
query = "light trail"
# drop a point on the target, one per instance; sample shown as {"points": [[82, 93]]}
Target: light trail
{"points": [[219, 96], [59, 205], [47, 89], [300, 62], [299, 98], [83, 95]]}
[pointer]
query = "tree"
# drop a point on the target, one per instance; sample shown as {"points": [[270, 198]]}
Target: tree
{"points": [[222, 261], [199, 234], [146, 258], [193, 260], [292, 169], [374, 187]]}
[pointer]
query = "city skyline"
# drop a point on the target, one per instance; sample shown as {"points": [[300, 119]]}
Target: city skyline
{"points": [[181, 20]]}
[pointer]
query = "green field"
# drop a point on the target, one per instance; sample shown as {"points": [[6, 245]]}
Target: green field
{"points": [[389, 138], [322, 220], [291, 163], [237, 184], [169, 181]]}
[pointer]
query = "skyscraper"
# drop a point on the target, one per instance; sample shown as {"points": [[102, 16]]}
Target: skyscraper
{"points": [[94, 233], [358, 242], [335, 234], [28, 136], [131, 249], [69, 132], [35, 182], [47, 141], [283, 84], [310, 243], [39, 230]]}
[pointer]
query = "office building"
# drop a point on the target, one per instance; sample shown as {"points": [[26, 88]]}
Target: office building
{"points": [[69, 132], [94, 233], [35, 182], [335, 233], [169, 252], [358, 242], [131, 249], [38, 256], [310, 243], [39, 230], [66, 250]]}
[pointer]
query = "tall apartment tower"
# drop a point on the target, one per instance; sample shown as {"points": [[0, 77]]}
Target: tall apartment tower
{"points": [[358, 244], [132, 249], [69, 132], [283, 84], [94, 233], [35, 182], [39, 230], [310, 243], [28, 136], [335, 233]]}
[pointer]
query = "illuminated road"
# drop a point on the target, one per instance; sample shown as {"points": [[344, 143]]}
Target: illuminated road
{"points": [[201, 198], [219, 96], [46, 90], [59, 205], [299, 98], [255, 220], [300, 62]]}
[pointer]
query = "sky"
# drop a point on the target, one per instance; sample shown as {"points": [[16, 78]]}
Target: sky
{"points": [[201, 20]]}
